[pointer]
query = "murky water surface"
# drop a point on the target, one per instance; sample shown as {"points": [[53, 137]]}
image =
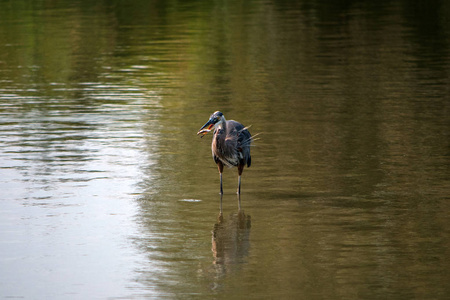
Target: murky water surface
{"points": [[107, 192]]}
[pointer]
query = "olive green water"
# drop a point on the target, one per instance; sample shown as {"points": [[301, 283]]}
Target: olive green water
{"points": [[106, 192]]}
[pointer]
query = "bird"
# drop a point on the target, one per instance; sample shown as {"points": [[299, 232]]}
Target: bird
{"points": [[230, 144]]}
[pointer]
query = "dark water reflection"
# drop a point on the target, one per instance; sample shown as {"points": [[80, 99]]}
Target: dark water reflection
{"points": [[230, 237], [230, 245], [106, 191]]}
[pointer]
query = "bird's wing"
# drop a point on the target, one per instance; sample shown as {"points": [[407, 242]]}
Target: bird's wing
{"points": [[244, 139]]}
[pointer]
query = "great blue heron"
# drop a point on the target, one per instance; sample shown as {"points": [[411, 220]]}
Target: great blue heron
{"points": [[230, 144]]}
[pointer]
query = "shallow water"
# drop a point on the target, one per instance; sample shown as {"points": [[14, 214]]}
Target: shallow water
{"points": [[107, 192]]}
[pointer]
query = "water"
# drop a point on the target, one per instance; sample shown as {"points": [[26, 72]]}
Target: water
{"points": [[107, 192]]}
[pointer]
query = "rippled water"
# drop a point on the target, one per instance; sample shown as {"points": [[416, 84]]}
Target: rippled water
{"points": [[107, 192]]}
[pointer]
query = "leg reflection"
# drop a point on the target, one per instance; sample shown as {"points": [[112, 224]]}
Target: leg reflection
{"points": [[231, 238], [239, 202]]}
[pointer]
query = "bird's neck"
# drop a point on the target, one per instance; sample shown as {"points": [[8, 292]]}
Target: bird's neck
{"points": [[222, 124]]}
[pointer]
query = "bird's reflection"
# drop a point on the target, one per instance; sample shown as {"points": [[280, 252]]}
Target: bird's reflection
{"points": [[231, 238]]}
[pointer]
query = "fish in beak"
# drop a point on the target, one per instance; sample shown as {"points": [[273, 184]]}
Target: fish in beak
{"points": [[206, 128]]}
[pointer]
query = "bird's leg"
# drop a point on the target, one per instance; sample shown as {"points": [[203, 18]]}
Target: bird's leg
{"points": [[220, 166], [240, 170], [239, 185]]}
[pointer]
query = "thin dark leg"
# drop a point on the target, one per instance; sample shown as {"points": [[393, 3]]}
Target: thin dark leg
{"points": [[240, 170], [239, 185], [220, 166]]}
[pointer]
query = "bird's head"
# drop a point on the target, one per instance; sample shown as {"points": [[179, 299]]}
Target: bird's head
{"points": [[216, 119]]}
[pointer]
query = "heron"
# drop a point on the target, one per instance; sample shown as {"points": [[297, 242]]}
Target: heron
{"points": [[230, 144]]}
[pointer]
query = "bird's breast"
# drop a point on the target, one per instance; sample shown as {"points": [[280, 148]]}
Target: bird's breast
{"points": [[225, 151]]}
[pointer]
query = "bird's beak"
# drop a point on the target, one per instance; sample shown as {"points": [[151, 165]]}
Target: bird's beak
{"points": [[206, 128]]}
